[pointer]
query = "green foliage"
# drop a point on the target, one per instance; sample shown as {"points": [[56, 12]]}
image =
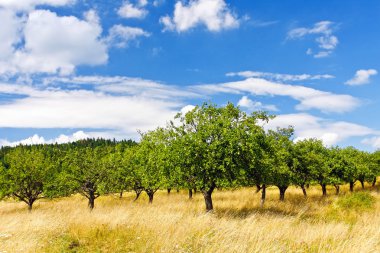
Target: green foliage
{"points": [[208, 147], [311, 162], [25, 175], [210, 140]]}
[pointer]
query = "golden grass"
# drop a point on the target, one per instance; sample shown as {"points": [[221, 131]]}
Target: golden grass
{"points": [[175, 224]]}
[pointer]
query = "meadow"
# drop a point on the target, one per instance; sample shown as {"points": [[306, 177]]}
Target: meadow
{"points": [[173, 223]]}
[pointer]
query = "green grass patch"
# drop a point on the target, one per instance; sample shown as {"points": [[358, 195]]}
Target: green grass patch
{"points": [[100, 239], [348, 208], [358, 201]]}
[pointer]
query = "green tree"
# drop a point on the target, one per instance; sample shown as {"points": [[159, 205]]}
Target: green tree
{"points": [[311, 164], [86, 172], [281, 159], [150, 161], [25, 175], [213, 138]]}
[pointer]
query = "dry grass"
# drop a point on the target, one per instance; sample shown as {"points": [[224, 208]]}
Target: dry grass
{"points": [[174, 224]]}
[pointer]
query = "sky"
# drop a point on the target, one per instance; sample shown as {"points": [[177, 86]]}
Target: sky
{"points": [[74, 69]]}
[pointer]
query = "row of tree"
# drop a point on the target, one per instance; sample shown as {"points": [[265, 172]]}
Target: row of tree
{"points": [[207, 148]]}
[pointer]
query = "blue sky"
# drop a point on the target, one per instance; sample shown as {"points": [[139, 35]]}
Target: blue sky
{"points": [[71, 69]]}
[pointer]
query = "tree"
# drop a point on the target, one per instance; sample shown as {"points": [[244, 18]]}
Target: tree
{"points": [[364, 162], [281, 159], [338, 163], [150, 161], [213, 134], [25, 175], [86, 172], [117, 161], [254, 155], [311, 164], [357, 166], [375, 168]]}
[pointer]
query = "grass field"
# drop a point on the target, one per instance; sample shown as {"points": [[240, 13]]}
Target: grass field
{"points": [[348, 223]]}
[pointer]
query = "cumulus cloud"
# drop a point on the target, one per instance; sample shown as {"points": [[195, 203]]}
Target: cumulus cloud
{"points": [[278, 77], [129, 10], [41, 41], [362, 77], [215, 15], [30, 4], [308, 98], [36, 139], [53, 44], [119, 35], [326, 40], [330, 132], [251, 105], [187, 109], [9, 33]]}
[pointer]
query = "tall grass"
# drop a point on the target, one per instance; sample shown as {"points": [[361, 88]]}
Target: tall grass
{"points": [[347, 223]]}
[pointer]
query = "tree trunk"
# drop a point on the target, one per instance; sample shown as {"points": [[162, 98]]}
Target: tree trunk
{"points": [[304, 191], [362, 183], [282, 192], [190, 193], [91, 200], [263, 195], [374, 182], [121, 194], [351, 186], [337, 188], [30, 204], [324, 190], [258, 188], [169, 190], [138, 192], [208, 200], [150, 194], [195, 190], [177, 190]]}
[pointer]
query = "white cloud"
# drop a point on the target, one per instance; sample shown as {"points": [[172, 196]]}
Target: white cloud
{"points": [[43, 42], [9, 33], [36, 139], [214, 14], [322, 54], [251, 105], [279, 77], [309, 98], [119, 35], [129, 10], [326, 41], [157, 3], [92, 16], [187, 109], [119, 104], [30, 4], [362, 77], [142, 2], [124, 86], [323, 27], [330, 132], [55, 44], [373, 142]]}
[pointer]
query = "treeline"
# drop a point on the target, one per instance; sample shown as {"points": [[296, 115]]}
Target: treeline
{"points": [[207, 148]]}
